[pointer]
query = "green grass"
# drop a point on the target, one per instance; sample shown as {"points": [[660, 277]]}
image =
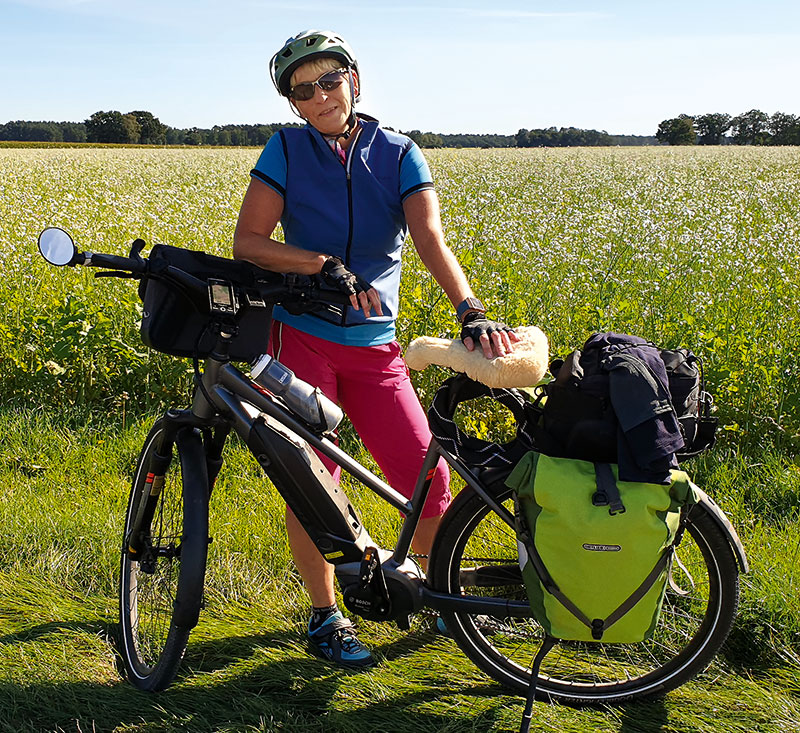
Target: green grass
{"points": [[687, 247]]}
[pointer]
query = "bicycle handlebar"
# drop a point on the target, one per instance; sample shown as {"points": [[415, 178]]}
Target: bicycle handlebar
{"points": [[113, 262], [292, 288]]}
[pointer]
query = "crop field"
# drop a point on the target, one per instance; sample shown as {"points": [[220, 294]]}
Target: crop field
{"points": [[696, 247]]}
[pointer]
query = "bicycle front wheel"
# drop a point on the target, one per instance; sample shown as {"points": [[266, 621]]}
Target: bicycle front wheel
{"points": [[476, 553], [163, 555]]}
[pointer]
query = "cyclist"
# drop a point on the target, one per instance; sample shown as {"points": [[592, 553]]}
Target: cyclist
{"points": [[346, 193]]}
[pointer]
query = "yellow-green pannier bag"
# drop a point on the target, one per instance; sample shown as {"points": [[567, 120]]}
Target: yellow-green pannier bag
{"points": [[595, 552]]}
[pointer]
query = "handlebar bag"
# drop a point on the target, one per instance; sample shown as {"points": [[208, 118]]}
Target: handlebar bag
{"points": [[177, 319], [595, 552]]}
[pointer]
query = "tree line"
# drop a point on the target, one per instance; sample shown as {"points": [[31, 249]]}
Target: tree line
{"points": [[143, 128], [749, 128], [135, 128]]}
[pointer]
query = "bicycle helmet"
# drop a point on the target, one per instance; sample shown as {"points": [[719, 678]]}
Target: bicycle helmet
{"points": [[305, 46]]}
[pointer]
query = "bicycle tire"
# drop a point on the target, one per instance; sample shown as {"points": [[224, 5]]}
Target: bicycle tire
{"points": [[690, 632], [161, 582]]}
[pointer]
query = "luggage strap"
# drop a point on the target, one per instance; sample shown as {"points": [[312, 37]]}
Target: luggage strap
{"points": [[607, 493]]}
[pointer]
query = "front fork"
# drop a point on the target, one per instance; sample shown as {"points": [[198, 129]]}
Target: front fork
{"points": [[137, 542]]}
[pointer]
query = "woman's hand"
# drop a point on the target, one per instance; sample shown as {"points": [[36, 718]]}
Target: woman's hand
{"points": [[494, 338], [362, 294]]}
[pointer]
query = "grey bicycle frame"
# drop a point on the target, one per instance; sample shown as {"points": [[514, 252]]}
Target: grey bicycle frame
{"points": [[282, 445]]}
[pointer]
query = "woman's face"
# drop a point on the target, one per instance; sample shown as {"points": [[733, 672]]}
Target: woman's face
{"points": [[329, 111]]}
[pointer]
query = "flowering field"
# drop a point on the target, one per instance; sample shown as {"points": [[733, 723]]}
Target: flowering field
{"points": [[692, 247], [696, 247]]}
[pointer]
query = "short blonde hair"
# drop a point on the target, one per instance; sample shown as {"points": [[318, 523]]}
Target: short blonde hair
{"points": [[319, 66]]}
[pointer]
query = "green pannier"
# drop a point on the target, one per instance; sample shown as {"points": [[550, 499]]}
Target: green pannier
{"points": [[595, 552]]}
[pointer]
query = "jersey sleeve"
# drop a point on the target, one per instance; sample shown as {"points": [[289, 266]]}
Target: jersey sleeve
{"points": [[414, 172], [271, 165]]}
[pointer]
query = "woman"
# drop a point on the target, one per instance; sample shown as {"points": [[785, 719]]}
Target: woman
{"points": [[346, 193]]}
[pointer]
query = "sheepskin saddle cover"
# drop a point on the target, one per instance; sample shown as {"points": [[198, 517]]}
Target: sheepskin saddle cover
{"points": [[523, 367]]}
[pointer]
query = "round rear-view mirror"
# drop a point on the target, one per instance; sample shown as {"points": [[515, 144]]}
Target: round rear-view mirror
{"points": [[57, 246]]}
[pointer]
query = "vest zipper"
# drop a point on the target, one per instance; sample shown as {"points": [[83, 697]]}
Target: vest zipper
{"points": [[348, 166]]}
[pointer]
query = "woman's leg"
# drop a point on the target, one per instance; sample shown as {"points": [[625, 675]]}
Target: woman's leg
{"points": [[317, 574], [330, 634], [378, 397]]}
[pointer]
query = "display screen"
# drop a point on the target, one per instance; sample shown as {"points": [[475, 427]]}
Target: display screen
{"points": [[221, 294]]}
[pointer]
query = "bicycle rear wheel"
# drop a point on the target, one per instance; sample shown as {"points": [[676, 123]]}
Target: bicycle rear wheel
{"points": [[164, 551], [476, 553]]}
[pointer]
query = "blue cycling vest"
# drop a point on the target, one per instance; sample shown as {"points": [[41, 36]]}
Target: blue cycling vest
{"points": [[353, 211]]}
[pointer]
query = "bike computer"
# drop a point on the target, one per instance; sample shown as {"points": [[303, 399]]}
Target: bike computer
{"points": [[221, 298]]}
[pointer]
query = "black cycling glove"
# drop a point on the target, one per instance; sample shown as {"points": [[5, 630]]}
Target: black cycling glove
{"points": [[335, 273], [476, 324]]}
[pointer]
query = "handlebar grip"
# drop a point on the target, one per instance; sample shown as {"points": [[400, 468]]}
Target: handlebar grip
{"points": [[93, 259]]}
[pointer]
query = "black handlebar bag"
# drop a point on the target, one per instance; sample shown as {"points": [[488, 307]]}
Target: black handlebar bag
{"points": [[177, 319]]}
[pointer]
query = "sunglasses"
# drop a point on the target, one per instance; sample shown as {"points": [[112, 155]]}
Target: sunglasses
{"points": [[327, 82]]}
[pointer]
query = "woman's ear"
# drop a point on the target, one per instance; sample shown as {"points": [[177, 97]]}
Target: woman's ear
{"points": [[356, 86]]}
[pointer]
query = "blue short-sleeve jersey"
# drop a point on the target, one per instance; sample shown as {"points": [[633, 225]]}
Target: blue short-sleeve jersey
{"points": [[353, 211]]}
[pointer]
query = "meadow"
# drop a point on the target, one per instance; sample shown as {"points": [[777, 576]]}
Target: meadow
{"points": [[696, 247]]}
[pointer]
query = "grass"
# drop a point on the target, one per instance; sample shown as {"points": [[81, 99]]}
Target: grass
{"points": [[687, 247]]}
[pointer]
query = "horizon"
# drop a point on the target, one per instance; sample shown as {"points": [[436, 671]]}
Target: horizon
{"points": [[288, 122], [618, 67]]}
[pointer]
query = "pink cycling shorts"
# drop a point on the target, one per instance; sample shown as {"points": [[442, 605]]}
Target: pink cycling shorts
{"points": [[372, 385]]}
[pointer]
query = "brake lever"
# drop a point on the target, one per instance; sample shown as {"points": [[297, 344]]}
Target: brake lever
{"points": [[136, 250]]}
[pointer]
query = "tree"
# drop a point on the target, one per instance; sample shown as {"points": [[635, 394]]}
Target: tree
{"points": [[112, 127], [194, 136], [751, 128], [151, 130], [711, 127], [677, 131], [73, 132], [31, 131], [132, 128], [785, 129]]}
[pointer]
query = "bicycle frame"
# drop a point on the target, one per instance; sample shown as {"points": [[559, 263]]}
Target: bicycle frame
{"points": [[378, 584]]}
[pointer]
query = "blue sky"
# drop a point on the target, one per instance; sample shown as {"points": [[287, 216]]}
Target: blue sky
{"points": [[440, 65]]}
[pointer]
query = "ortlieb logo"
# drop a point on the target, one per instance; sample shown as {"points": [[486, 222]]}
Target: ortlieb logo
{"points": [[601, 548]]}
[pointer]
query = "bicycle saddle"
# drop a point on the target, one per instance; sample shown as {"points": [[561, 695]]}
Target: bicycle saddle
{"points": [[523, 367]]}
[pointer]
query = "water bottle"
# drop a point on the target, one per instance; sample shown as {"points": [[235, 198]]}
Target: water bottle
{"points": [[305, 401]]}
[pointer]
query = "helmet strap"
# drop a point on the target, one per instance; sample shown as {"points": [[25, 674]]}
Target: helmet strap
{"points": [[352, 121]]}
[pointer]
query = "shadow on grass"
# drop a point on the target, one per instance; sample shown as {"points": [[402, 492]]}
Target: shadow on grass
{"points": [[264, 681], [97, 627], [644, 717], [296, 695]]}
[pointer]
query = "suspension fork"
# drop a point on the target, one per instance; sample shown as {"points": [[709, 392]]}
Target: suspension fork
{"points": [[173, 422]]}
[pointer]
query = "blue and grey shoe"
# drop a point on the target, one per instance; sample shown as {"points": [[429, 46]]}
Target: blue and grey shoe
{"points": [[335, 640]]}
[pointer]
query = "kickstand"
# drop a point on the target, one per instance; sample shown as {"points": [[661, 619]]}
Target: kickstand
{"points": [[546, 646]]}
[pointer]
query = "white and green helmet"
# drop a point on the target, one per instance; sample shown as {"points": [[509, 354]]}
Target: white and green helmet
{"points": [[303, 47]]}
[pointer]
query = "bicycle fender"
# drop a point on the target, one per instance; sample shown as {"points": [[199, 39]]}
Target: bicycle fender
{"points": [[195, 528], [725, 525]]}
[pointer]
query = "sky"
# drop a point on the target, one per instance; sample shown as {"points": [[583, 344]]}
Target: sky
{"points": [[448, 66]]}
